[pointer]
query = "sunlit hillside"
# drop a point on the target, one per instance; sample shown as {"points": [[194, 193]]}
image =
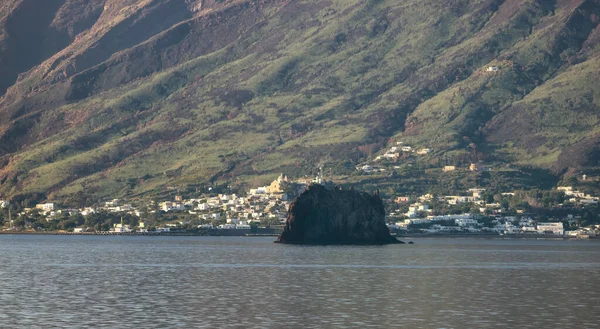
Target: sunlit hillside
{"points": [[117, 98]]}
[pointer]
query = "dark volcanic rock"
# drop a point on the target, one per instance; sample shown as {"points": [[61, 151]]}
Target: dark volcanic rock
{"points": [[322, 216]]}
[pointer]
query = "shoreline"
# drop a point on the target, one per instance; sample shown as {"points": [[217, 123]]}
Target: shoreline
{"points": [[106, 233], [212, 232], [497, 236], [246, 234]]}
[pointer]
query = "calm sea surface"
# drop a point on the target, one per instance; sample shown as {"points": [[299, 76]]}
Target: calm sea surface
{"points": [[212, 282]]}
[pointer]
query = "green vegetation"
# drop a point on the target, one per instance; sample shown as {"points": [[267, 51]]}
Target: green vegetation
{"points": [[243, 90]]}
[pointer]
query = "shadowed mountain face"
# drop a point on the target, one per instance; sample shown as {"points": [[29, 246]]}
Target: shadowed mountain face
{"points": [[124, 97]]}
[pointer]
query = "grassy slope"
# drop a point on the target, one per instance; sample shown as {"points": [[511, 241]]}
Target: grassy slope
{"points": [[544, 108], [287, 86]]}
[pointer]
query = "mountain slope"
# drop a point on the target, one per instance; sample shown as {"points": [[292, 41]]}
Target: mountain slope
{"points": [[133, 96]]}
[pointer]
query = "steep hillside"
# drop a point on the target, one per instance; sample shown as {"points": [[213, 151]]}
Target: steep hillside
{"points": [[121, 97]]}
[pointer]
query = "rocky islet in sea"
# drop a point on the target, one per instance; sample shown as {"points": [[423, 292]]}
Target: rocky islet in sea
{"points": [[336, 216]]}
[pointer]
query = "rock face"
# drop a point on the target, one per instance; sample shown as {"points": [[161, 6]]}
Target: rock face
{"points": [[322, 216]]}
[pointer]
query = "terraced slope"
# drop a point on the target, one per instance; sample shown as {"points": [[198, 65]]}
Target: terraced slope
{"points": [[121, 97]]}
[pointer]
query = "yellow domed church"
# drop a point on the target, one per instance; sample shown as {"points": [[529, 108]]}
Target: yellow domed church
{"points": [[277, 185]]}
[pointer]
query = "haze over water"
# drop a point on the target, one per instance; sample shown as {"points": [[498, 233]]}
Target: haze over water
{"points": [[213, 282]]}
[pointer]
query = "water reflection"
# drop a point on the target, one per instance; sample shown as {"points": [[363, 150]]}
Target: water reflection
{"points": [[51, 281]]}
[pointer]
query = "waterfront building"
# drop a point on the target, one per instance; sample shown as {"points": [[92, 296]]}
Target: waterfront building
{"points": [[551, 228], [122, 228]]}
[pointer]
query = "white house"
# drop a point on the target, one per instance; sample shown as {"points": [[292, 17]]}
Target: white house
{"points": [[171, 206], [457, 199], [449, 168], [565, 188], [554, 228], [122, 228], [493, 69], [4, 203], [465, 222], [260, 190], [202, 206], [414, 209], [45, 206], [88, 211], [366, 168]]}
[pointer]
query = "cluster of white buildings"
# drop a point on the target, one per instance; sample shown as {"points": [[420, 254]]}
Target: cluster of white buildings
{"points": [[392, 154], [266, 202], [461, 220], [119, 228], [576, 196], [416, 208], [468, 223], [410, 149], [50, 209], [420, 213], [237, 212], [475, 196]]}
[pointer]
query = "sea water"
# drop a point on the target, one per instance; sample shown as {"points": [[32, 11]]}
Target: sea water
{"points": [[236, 282]]}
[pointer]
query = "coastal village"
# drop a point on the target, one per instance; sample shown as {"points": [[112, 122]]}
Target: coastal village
{"points": [[263, 206], [266, 208], [490, 218]]}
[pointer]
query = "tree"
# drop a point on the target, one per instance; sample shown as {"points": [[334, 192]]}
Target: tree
{"points": [[498, 198]]}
